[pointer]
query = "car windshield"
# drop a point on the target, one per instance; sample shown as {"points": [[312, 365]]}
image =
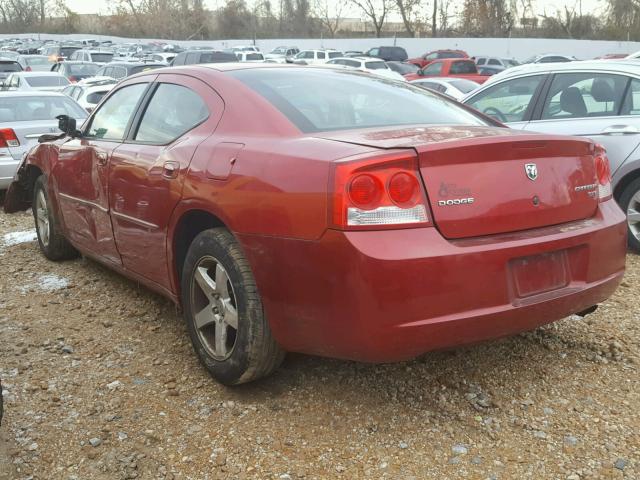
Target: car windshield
{"points": [[25, 109], [86, 69], [465, 86], [10, 67], [102, 57], [47, 81], [376, 65], [344, 100]]}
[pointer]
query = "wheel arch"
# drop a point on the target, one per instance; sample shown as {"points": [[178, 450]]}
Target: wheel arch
{"points": [[187, 225], [624, 182]]}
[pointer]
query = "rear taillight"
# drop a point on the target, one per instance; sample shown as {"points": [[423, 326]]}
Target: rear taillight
{"points": [[603, 173], [28, 69], [73, 79], [8, 138], [380, 192]]}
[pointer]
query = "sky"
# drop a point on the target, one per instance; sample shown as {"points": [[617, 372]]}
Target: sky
{"points": [[550, 6]]}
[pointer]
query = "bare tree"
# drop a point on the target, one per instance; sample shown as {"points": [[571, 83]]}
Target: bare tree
{"points": [[329, 15], [375, 10], [434, 19], [407, 9]]}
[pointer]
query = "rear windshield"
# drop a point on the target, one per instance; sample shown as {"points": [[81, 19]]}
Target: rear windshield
{"points": [[101, 57], [465, 86], [36, 61], [67, 51], [450, 55], [403, 68], [47, 81], [24, 109], [376, 65], [215, 57], [344, 100], [143, 68], [78, 69], [254, 56], [10, 67]]}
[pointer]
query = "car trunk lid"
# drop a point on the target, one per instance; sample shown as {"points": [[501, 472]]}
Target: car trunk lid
{"points": [[486, 180]]}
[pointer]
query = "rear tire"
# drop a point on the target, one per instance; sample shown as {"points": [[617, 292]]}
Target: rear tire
{"points": [[223, 311], [52, 243], [630, 204]]}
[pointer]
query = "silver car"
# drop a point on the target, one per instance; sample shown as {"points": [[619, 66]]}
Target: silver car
{"points": [[44, 81], [595, 99], [24, 116]]}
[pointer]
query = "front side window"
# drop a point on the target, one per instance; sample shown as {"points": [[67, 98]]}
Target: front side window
{"points": [[173, 111], [508, 101], [463, 68], [577, 95], [321, 55], [110, 122], [345, 100], [432, 69], [481, 61]]}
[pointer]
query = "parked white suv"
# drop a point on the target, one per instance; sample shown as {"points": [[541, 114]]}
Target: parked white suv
{"points": [[367, 64], [315, 57], [94, 56]]}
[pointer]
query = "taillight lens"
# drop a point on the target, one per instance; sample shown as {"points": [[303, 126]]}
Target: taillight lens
{"points": [[380, 192], [73, 79], [603, 173], [28, 69], [8, 138]]}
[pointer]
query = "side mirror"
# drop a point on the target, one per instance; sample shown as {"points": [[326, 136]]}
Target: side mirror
{"points": [[68, 125]]}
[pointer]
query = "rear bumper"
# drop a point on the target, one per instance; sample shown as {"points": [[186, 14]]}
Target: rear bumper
{"points": [[392, 295], [8, 166]]}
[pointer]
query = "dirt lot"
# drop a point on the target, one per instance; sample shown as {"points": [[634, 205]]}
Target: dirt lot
{"points": [[100, 383]]}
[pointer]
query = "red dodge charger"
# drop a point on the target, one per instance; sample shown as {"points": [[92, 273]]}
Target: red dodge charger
{"points": [[335, 213]]}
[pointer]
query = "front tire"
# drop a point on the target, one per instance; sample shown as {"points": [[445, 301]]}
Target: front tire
{"points": [[52, 242], [223, 311]]}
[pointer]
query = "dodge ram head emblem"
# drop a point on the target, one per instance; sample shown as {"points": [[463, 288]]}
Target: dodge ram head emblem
{"points": [[531, 170]]}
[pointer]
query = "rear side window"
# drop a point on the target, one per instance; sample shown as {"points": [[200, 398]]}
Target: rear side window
{"points": [[508, 101], [110, 122], [632, 101], [321, 55], [463, 68], [494, 61], [173, 111], [577, 95], [335, 54], [344, 100], [376, 65]]}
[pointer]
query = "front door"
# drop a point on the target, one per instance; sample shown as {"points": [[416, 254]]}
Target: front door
{"points": [[147, 171], [81, 174]]}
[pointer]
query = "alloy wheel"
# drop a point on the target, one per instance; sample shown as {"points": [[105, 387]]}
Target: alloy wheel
{"points": [[633, 215], [42, 218], [214, 308]]}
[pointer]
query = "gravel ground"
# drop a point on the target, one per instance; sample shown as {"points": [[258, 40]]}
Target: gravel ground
{"points": [[100, 382]]}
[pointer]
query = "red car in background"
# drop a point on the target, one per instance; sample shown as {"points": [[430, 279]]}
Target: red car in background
{"points": [[450, 67], [429, 57], [330, 212]]}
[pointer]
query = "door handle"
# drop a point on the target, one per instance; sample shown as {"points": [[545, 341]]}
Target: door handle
{"points": [[170, 169], [102, 158], [621, 130]]}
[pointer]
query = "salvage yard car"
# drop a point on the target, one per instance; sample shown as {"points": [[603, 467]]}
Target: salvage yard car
{"points": [[25, 116], [369, 220], [594, 99]]}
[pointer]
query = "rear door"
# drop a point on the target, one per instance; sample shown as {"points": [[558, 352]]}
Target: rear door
{"points": [[147, 171], [81, 172], [596, 105]]}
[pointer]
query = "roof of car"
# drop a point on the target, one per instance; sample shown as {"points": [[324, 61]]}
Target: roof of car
{"points": [[31, 93], [37, 74], [622, 65]]}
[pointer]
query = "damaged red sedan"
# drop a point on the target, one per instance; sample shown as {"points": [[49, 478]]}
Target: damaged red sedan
{"points": [[326, 212]]}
